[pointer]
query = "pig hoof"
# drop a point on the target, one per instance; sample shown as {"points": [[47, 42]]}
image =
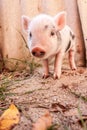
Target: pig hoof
{"points": [[74, 68], [45, 76], [55, 76]]}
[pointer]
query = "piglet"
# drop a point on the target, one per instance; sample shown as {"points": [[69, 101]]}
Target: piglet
{"points": [[50, 36]]}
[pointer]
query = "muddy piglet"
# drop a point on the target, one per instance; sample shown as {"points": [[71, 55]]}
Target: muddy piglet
{"points": [[50, 36]]}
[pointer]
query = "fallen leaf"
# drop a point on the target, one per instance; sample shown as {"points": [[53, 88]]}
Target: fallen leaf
{"points": [[43, 123], [9, 118]]}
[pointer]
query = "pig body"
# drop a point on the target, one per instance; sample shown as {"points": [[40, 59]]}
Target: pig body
{"points": [[50, 36]]}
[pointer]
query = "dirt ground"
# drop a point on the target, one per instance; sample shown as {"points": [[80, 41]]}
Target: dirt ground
{"points": [[66, 98]]}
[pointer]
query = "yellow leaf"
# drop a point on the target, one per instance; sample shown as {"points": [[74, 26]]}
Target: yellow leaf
{"points": [[43, 123], [9, 118]]}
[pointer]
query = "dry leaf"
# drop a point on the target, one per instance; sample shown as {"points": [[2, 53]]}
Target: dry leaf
{"points": [[9, 118], [43, 123]]}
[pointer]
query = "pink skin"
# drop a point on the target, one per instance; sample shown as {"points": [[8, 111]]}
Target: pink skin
{"points": [[44, 43], [57, 65], [46, 68], [72, 60]]}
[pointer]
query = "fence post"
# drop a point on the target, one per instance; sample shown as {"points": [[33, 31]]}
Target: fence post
{"points": [[12, 43], [82, 5]]}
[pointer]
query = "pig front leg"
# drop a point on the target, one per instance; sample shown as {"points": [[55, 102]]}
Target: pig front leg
{"points": [[58, 65], [46, 69], [72, 59]]}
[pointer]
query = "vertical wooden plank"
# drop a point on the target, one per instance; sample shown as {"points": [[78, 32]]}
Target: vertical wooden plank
{"points": [[82, 5], [34, 7], [51, 7], [74, 22], [29, 7], [12, 45]]}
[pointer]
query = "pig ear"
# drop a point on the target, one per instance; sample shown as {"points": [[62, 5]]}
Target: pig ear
{"points": [[60, 20], [25, 23]]}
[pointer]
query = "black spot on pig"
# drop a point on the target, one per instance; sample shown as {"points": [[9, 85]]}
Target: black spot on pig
{"points": [[72, 35], [68, 46], [46, 26]]}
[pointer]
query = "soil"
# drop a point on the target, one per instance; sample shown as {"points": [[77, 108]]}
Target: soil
{"points": [[66, 98]]}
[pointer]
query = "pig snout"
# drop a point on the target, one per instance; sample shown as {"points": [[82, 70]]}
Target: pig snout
{"points": [[38, 52]]}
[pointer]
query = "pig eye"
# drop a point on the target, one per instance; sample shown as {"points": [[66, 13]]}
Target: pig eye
{"points": [[52, 33], [30, 34]]}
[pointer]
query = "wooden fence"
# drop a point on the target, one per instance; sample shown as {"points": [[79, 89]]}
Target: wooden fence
{"points": [[12, 46]]}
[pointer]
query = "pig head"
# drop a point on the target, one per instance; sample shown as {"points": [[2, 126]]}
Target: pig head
{"points": [[45, 39]]}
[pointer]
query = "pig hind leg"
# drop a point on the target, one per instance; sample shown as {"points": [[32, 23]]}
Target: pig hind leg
{"points": [[72, 52], [72, 58]]}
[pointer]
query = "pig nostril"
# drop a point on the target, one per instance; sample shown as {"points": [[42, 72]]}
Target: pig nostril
{"points": [[38, 53], [34, 53], [42, 53]]}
